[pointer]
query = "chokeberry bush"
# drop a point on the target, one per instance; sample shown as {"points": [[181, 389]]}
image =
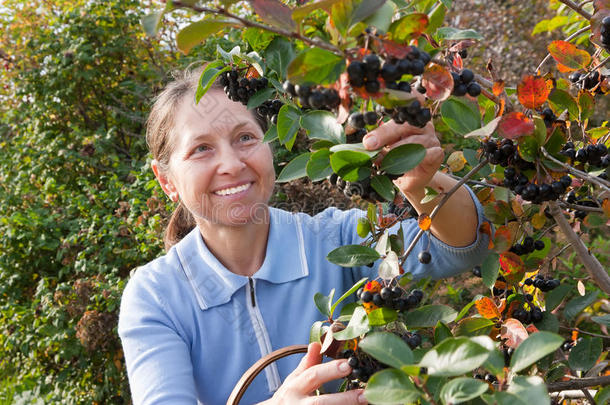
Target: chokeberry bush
{"points": [[330, 72]]}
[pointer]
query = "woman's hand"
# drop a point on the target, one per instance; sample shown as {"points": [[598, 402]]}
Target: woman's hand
{"points": [[310, 374], [391, 135]]}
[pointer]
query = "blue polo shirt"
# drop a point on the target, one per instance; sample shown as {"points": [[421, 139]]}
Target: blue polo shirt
{"points": [[190, 328]]}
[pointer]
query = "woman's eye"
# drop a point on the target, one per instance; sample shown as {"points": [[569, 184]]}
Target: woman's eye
{"points": [[202, 148], [246, 137]]}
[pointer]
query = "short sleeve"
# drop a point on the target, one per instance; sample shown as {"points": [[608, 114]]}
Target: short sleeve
{"points": [[158, 358]]}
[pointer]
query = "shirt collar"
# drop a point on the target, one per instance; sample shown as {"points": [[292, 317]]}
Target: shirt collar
{"points": [[214, 284]]}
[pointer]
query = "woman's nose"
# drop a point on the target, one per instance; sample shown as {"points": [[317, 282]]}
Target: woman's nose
{"points": [[230, 161]]}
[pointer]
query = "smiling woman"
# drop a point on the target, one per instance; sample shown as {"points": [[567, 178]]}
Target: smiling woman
{"points": [[238, 277]]}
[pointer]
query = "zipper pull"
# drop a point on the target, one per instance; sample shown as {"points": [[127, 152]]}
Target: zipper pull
{"points": [[252, 295]]}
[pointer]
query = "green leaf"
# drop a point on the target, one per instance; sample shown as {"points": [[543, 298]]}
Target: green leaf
{"points": [[260, 97], [388, 348], [495, 362], [462, 389], [602, 320], [349, 164], [467, 307], [529, 148], [315, 65], [560, 101], [557, 371], [390, 387], [318, 167], [363, 228], [428, 315], [585, 353], [554, 297], [278, 55], [151, 22], [441, 332], [474, 326], [430, 195], [274, 13], [365, 9], [549, 322], [532, 349], [258, 39], [456, 34], [408, 27], [403, 158], [207, 78], [271, 134], [382, 316], [603, 396], [316, 332], [295, 169], [352, 255], [288, 123], [586, 105], [349, 292], [358, 325], [233, 56], [382, 18], [575, 306], [198, 31], [490, 269], [454, 356], [383, 186], [529, 390], [323, 302], [346, 13], [461, 115], [354, 147], [323, 125], [302, 12]]}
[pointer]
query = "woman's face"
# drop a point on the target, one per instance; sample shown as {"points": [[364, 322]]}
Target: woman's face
{"points": [[220, 168]]}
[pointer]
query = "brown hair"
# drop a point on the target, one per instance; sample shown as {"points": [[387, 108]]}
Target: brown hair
{"points": [[159, 131]]}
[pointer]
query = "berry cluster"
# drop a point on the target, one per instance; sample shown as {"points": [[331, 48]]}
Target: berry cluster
{"points": [[413, 114], [241, 89], [572, 198], [568, 344], [505, 153], [314, 97], [402, 210], [366, 73], [605, 32], [270, 109], [363, 367], [413, 339], [525, 316], [594, 155], [374, 296], [463, 84], [490, 378], [549, 117], [527, 246], [360, 120], [541, 283], [590, 81], [536, 193], [360, 188]]}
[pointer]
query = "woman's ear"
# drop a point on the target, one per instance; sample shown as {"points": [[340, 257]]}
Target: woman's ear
{"points": [[165, 182]]}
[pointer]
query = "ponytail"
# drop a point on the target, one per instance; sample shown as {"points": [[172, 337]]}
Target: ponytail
{"points": [[180, 224]]}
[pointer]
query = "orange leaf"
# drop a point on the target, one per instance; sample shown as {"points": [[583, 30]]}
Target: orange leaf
{"points": [[498, 87], [512, 266], [372, 286], [504, 236], [606, 207], [487, 308], [564, 68], [501, 109], [569, 55], [502, 305], [514, 332], [514, 125], [438, 82], [533, 91], [485, 228], [252, 73], [424, 221], [532, 329]]}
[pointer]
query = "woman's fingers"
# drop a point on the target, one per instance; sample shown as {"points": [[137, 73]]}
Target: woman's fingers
{"points": [[312, 358], [313, 377], [391, 132], [353, 397]]}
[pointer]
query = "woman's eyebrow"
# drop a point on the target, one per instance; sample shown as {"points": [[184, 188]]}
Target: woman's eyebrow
{"points": [[204, 135]]}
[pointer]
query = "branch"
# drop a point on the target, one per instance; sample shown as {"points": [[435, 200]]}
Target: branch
{"points": [[254, 24], [571, 37], [595, 180], [580, 207], [592, 265], [440, 204], [577, 8], [578, 383], [584, 332]]}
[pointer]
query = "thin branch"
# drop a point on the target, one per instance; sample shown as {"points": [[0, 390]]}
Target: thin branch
{"points": [[579, 383], [589, 397], [441, 203], [592, 265], [571, 37], [577, 8], [479, 183], [585, 176], [580, 207], [584, 332], [254, 24]]}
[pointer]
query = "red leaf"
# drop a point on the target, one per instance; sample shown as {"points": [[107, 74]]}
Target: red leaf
{"points": [[391, 48], [487, 308], [514, 332], [485, 229], [569, 55], [438, 82], [533, 91], [274, 13], [512, 266], [514, 125]]}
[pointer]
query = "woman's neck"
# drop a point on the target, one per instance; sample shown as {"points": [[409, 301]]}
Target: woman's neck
{"points": [[241, 249]]}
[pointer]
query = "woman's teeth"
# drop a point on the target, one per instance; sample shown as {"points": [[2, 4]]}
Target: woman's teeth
{"points": [[233, 190]]}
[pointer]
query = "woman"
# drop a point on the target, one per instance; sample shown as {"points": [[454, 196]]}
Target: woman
{"points": [[238, 278]]}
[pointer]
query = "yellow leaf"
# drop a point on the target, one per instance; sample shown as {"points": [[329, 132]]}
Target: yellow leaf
{"points": [[517, 208], [538, 220], [456, 161]]}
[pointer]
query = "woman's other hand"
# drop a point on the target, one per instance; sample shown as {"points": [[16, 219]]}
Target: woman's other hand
{"points": [[310, 374]]}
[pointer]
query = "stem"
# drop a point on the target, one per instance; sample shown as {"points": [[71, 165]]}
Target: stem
{"points": [[254, 24], [571, 37], [584, 332], [580, 207], [479, 183], [440, 204], [578, 383], [595, 180], [423, 387], [589, 397], [593, 266], [577, 8]]}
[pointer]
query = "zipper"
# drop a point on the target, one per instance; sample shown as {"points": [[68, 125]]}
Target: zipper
{"points": [[262, 337]]}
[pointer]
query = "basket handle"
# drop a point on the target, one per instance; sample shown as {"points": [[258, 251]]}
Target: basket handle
{"points": [[246, 379]]}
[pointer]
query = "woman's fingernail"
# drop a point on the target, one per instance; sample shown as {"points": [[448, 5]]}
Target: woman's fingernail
{"points": [[370, 142], [344, 367], [362, 399]]}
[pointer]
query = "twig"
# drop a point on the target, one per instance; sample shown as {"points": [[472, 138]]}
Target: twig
{"points": [[577, 8], [580, 207], [579, 383], [592, 265], [254, 24], [571, 37], [595, 180], [479, 183], [440, 204], [592, 70], [589, 397], [584, 332], [422, 385]]}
